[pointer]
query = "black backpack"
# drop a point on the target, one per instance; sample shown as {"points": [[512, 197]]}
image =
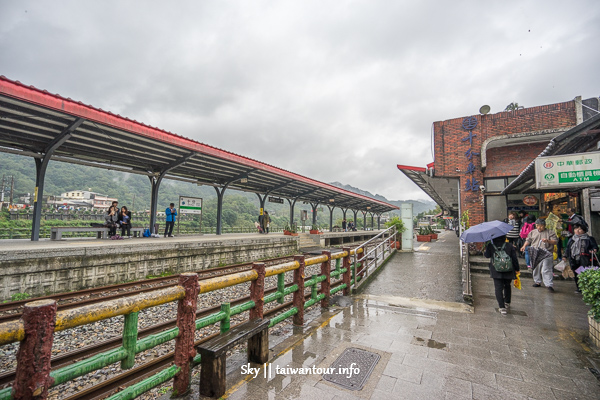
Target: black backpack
{"points": [[501, 260]]}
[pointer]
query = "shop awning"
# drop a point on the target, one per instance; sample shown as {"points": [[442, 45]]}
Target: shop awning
{"points": [[444, 191], [582, 138]]}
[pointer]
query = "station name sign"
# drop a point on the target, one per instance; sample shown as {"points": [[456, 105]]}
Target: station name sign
{"points": [[275, 200], [190, 205], [571, 170]]}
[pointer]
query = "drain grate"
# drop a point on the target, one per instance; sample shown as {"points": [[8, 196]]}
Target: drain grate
{"points": [[352, 368]]}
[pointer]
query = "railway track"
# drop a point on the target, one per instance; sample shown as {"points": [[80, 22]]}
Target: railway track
{"points": [[97, 294], [12, 311]]}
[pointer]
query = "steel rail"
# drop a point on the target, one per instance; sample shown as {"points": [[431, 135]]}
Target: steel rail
{"points": [[65, 296], [72, 356]]}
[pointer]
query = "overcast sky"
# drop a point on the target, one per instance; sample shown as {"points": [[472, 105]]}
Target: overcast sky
{"points": [[333, 90]]}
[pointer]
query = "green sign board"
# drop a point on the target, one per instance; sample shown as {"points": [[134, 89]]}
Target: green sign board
{"points": [[571, 170]]}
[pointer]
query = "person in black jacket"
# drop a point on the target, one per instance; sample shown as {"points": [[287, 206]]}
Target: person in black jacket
{"points": [[125, 222], [502, 280], [580, 250]]}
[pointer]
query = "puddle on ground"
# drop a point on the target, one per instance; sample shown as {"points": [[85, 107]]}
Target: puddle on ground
{"points": [[432, 344]]}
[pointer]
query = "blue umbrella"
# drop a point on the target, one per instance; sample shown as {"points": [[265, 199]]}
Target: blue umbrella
{"points": [[485, 231]]}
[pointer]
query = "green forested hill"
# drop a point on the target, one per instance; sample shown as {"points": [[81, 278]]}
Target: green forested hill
{"points": [[239, 208]]}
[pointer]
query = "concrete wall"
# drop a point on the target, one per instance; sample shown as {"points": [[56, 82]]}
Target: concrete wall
{"points": [[55, 270]]}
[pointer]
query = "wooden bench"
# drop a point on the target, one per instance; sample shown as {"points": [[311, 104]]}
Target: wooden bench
{"points": [[213, 354], [102, 232]]}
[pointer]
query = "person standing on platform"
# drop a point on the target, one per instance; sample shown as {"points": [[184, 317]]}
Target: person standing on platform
{"points": [[261, 222], [344, 225], [171, 215], [266, 222], [502, 280], [545, 239], [513, 235], [580, 250], [125, 221]]}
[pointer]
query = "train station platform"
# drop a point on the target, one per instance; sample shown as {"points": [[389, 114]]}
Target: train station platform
{"points": [[431, 345]]}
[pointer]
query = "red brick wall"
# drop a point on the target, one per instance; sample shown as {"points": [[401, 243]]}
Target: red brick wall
{"points": [[511, 160], [450, 159]]}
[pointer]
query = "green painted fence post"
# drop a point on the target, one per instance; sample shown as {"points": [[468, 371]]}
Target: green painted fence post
{"points": [[130, 333], [281, 286], [225, 322]]}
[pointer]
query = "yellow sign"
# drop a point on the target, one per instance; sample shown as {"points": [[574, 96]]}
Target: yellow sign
{"points": [[35, 195]]}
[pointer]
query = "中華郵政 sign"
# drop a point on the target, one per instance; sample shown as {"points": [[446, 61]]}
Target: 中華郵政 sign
{"points": [[571, 170]]}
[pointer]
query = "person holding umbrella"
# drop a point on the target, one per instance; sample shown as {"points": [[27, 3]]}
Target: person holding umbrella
{"points": [[502, 279], [542, 243]]}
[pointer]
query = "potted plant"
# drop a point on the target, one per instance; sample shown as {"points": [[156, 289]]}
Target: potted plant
{"points": [[589, 284], [400, 228], [432, 233], [422, 236], [314, 229]]}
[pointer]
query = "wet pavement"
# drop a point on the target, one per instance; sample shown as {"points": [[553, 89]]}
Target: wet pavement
{"points": [[433, 346]]}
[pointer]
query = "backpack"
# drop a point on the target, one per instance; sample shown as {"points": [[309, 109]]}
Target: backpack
{"points": [[527, 227], [501, 260], [146, 232]]}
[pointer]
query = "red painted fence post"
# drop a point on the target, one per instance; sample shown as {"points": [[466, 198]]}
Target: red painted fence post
{"points": [[326, 284], [346, 276], [184, 342], [257, 291], [298, 299], [32, 378]]}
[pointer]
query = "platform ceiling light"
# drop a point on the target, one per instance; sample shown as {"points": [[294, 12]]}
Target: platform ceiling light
{"points": [[331, 200], [484, 109], [244, 180], [368, 207]]}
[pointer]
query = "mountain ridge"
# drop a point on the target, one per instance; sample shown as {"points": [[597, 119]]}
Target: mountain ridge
{"points": [[419, 206]]}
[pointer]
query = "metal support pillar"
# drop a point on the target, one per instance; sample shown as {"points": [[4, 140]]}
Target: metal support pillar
{"points": [[155, 181], [155, 185], [355, 218], [292, 204], [220, 193], [378, 221], [372, 221], [331, 217], [314, 212], [40, 175], [364, 220]]}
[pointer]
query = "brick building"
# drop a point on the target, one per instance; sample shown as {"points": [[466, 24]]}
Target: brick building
{"points": [[477, 157]]}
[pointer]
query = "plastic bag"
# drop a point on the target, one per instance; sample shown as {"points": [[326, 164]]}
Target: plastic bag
{"points": [[560, 266], [568, 273], [517, 281]]}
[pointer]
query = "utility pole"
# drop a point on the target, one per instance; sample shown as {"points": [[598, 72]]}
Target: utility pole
{"points": [[2, 192], [12, 188]]}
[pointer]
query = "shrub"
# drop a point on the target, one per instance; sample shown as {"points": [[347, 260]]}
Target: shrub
{"points": [[400, 228], [589, 283]]}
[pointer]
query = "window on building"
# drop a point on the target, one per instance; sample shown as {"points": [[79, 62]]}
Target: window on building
{"points": [[495, 207], [494, 185]]}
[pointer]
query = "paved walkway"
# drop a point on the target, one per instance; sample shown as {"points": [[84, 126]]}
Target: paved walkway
{"points": [[434, 347]]}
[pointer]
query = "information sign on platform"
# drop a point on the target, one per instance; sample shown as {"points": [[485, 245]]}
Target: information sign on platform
{"points": [[190, 205], [275, 200], [571, 170]]}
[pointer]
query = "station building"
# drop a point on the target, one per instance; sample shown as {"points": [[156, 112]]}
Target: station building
{"points": [[484, 165]]}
